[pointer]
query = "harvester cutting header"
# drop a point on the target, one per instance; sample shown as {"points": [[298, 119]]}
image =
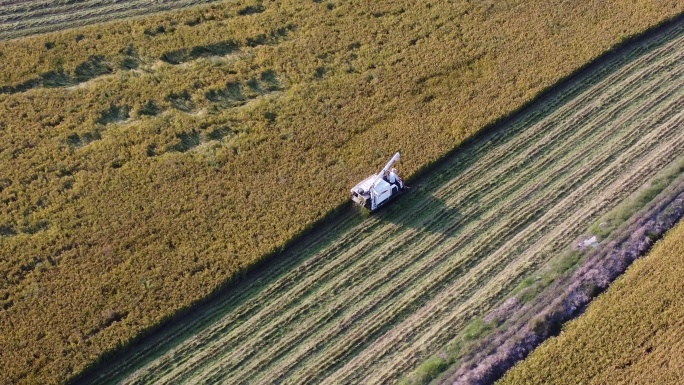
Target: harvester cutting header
{"points": [[376, 190]]}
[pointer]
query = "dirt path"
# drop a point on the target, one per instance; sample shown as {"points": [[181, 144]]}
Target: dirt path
{"points": [[365, 300]]}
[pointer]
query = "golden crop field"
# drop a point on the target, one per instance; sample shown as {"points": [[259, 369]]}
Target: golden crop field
{"points": [[631, 334], [146, 163]]}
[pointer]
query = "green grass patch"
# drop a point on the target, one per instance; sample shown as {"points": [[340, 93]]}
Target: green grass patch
{"points": [[605, 225]]}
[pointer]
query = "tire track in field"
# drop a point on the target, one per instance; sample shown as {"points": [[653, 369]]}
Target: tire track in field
{"points": [[370, 298]]}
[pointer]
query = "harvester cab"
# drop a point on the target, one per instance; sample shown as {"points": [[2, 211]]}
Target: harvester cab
{"points": [[376, 190]]}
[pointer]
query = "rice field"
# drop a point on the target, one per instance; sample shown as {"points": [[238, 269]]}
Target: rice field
{"points": [[366, 299], [149, 163]]}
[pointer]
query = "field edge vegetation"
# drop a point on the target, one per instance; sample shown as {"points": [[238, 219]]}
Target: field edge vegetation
{"points": [[629, 334]]}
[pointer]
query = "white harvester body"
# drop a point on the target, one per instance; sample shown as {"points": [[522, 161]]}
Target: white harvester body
{"points": [[378, 189]]}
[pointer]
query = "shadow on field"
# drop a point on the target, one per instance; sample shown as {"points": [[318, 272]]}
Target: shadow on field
{"points": [[419, 209]]}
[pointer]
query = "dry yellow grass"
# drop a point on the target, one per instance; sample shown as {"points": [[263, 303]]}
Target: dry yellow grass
{"points": [[144, 163]]}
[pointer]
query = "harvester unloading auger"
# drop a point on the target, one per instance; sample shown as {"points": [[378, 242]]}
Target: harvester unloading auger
{"points": [[376, 190]]}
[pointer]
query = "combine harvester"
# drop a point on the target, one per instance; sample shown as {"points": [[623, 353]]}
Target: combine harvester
{"points": [[376, 190]]}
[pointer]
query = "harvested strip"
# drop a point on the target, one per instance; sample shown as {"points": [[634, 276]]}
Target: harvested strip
{"points": [[39, 16]]}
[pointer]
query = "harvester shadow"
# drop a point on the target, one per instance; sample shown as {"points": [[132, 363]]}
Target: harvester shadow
{"points": [[419, 209]]}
